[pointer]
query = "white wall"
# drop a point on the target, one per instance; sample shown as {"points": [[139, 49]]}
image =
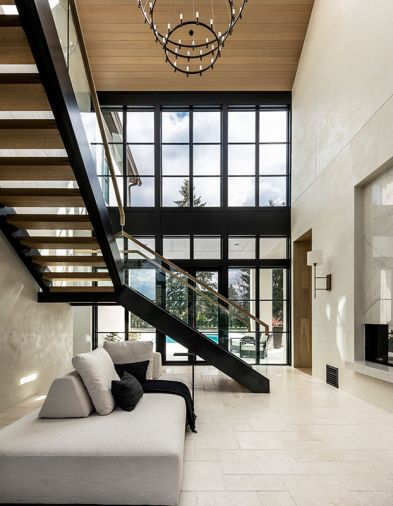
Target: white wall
{"points": [[35, 339], [82, 329], [342, 133]]}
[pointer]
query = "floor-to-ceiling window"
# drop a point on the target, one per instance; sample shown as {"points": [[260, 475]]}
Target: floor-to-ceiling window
{"points": [[213, 199]]}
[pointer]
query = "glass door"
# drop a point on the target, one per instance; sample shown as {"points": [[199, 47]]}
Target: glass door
{"points": [[195, 309], [206, 314]]}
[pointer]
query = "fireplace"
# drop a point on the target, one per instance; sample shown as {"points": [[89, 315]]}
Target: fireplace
{"points": [[379, 343]]}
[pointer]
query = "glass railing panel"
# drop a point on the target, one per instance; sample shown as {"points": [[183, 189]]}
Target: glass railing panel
{"points": [[60, 13], [70, 38], [195, 301], [76, 70]]}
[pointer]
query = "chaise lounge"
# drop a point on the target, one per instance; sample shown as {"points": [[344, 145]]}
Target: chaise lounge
{"points": [[133, 458]]}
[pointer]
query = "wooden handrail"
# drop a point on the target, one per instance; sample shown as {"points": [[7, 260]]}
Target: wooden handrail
{"points": [[97, 109], [195, 280], [186, 284]]}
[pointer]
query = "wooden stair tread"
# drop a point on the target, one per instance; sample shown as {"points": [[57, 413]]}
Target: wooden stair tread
{"points": [[85, 289], [35, 169], [9, 20], [76, 276], [50, 221], [22, 96], [30, 134], [76, 260], [41, 197], [20, 78], [54, 239], [45, 242]]}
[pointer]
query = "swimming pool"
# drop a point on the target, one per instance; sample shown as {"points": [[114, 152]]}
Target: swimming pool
{"points": [[213, 337]]}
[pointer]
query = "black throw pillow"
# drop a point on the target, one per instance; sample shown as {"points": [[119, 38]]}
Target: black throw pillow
{"points": [[127, 392], [137, 369]]}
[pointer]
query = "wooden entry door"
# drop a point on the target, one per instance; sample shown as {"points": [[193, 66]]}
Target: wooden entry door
{"points": [[302, 303]]}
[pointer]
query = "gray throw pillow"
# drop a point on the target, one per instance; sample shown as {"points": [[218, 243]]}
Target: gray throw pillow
{"points": [[67, 398], [97, 372]]}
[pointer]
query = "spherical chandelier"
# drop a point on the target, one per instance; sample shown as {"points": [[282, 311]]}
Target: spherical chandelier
{"points": [[194, 38]]}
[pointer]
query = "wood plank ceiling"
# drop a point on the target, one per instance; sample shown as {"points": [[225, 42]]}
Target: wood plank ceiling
{"points": [[261, 55]]}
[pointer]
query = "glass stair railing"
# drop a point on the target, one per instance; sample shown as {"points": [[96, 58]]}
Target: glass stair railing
{"points": [[195, 301], [223, 332]]}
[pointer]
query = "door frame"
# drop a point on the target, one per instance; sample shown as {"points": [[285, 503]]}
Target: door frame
{"points": [[302, 303]]}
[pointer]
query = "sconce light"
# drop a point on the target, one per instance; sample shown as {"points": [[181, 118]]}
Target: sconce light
{"points": [[315, 258]]}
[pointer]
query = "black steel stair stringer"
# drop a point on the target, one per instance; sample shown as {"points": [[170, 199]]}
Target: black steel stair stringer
{"points": [[195, 341]]}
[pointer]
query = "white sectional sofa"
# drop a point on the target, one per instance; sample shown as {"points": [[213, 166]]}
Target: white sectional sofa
{"points": [[122, 458], [133, 458]]}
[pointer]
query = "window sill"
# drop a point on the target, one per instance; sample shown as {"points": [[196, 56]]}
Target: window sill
{"points": [[378, 371]]}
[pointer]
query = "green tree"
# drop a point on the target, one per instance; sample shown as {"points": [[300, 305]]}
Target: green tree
{"points": [[207, 312], [239, 290], [278, 296], [177, 297], [185, 196], [176, 292]]}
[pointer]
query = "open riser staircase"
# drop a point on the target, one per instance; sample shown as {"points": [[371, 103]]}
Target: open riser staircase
{"points": [[52, 208]]}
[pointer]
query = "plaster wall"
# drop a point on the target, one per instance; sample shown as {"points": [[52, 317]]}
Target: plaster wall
{"points": [[342, 128], [35, 339]]}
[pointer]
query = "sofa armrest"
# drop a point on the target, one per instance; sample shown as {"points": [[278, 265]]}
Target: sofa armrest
{"points": [[157, 365]]}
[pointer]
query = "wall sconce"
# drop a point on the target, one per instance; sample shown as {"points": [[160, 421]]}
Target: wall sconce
{"points": [[315, 258]]}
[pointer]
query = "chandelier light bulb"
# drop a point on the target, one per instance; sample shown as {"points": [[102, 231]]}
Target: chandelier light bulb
{"points": [[207, 41]]}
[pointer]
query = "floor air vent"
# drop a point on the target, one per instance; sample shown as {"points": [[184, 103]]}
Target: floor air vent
{"points": [[332, 376]]}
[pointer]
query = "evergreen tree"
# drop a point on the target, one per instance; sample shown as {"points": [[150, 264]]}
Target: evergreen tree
{"points": [[239, 291], [278, 296], [207, 312], [185, 194]]}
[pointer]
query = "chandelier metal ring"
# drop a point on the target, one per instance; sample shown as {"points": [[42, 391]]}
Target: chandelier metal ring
{"points": [[213, 44], [185, 51], [186, 58]]}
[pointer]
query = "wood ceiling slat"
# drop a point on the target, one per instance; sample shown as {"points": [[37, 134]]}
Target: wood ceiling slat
{"points": [[117, 3], [261, 55]]}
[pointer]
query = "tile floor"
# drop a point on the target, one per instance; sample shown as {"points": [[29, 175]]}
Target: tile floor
{"points": [[305, 444]]}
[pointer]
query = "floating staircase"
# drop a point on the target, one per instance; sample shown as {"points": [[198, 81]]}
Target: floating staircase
{"points": [[42, 209], [52, 209]]}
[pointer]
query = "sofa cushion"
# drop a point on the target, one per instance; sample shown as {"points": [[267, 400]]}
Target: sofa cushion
{"points": [[137, 369], [67, 398], [125, 458], [157, 365], [125, 352], [127, 392], [97, 372]]}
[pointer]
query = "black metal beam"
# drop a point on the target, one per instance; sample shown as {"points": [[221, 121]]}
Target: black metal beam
{"points": [[78, 297], [196, 342], [176, 98], [37, 21], [204, 221]]}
